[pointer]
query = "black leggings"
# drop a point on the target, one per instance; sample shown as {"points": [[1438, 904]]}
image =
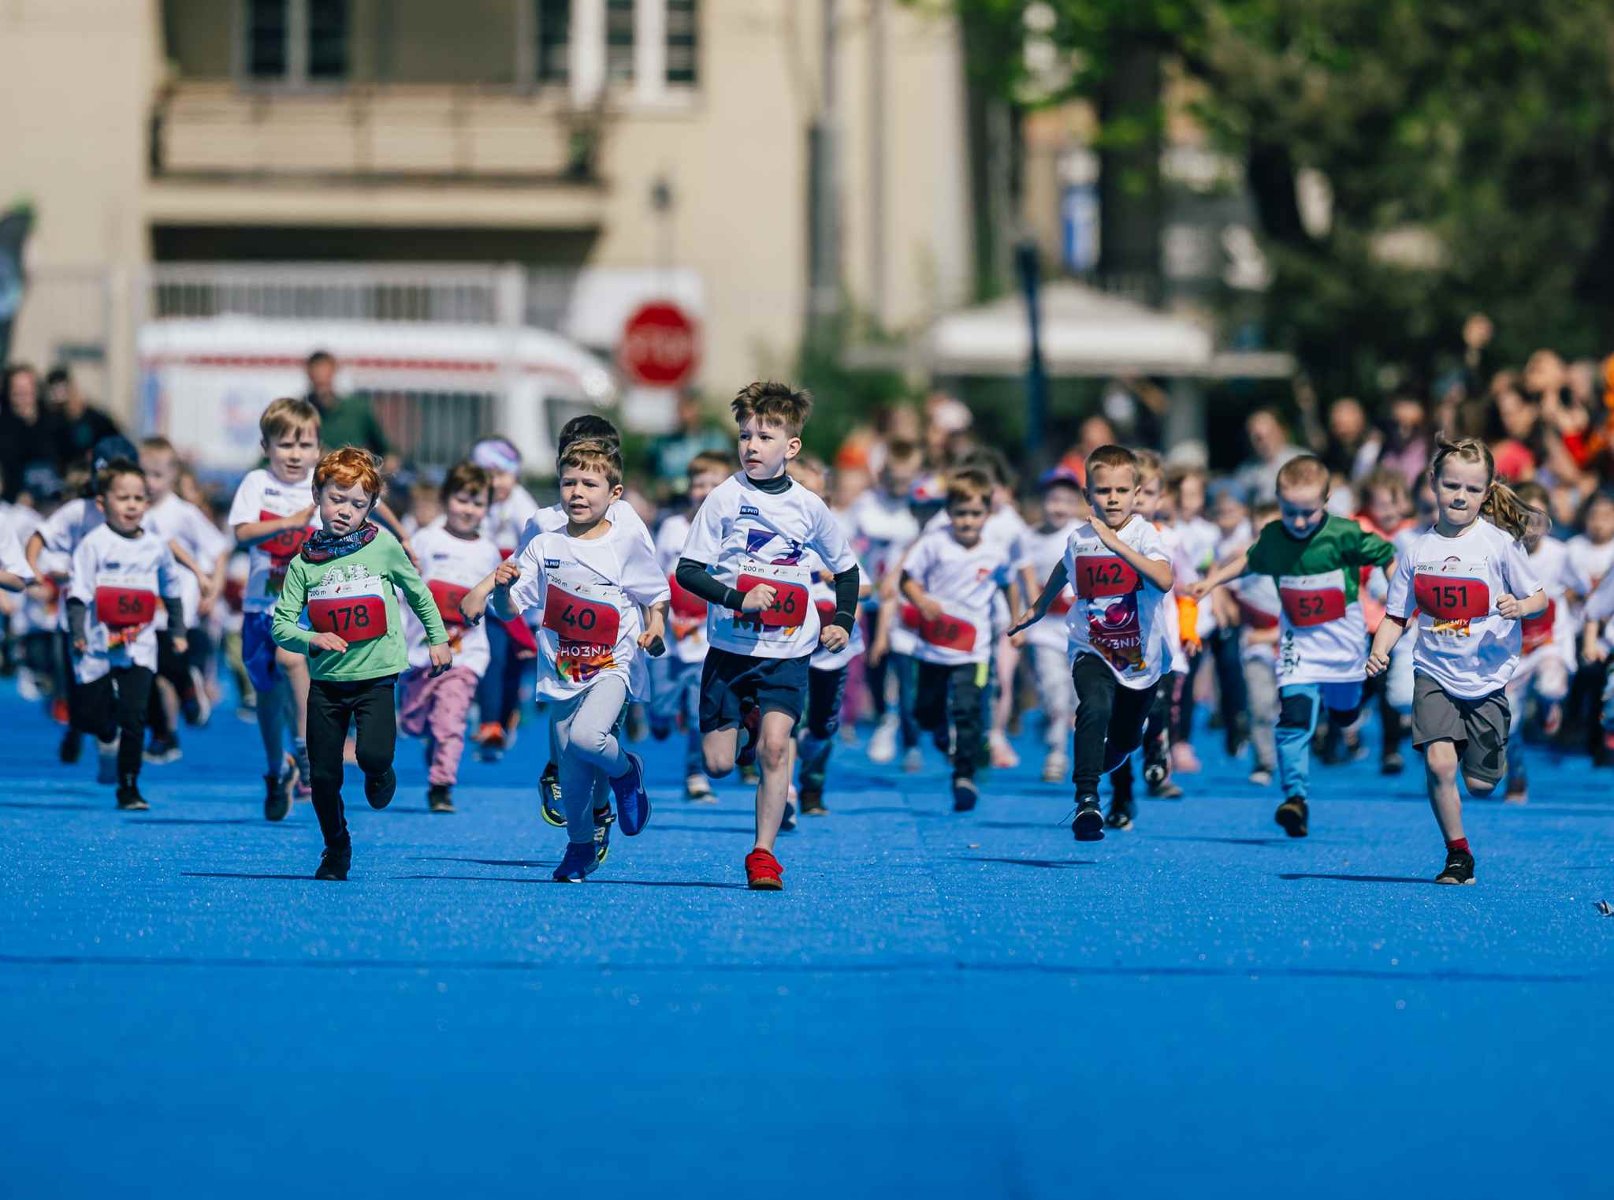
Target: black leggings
{"points": [[1109, 720], [332, 707], [115, 706], [176, 668], [949, 702]]}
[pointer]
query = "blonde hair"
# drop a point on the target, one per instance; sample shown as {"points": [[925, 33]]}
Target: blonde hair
{"points": [[1501, 506]]}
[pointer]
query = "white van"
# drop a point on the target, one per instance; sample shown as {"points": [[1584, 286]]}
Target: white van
{"points": [[435, 387]]}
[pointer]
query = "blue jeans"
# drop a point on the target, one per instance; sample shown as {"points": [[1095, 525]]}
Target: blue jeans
{"points": [[1299, 705], [675, 689]]}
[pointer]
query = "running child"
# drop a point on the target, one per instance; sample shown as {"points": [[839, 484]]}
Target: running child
{"points": [[1062, 507], [586, 583], [338, 608], [1315, 558], [510, 512], [454, 556], [271, 518], [1386, 505], [121, 575], [952, 578], [1260, 614], [1469, 585], [1120, 640], [744, 558], [677, 675], [827, 669]]}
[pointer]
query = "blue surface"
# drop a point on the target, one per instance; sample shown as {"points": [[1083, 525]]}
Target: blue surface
{"points": [[947, 1005]]}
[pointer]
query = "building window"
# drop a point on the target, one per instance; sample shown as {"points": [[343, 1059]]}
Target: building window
{"points": [[619, 27], [554, 41], [296, 41], [682, 60]]}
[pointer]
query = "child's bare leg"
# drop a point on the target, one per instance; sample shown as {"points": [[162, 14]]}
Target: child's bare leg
{"points": [[294, 669], [1440, 769], [775, 755], [718, 748]]}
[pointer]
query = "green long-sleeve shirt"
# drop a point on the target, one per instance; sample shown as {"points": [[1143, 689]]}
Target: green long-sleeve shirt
{"points": [[355, 597]]}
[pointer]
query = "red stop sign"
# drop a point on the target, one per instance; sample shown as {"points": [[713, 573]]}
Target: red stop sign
{"points": [[660, 345]]}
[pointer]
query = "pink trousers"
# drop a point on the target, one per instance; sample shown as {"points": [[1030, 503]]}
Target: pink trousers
{"points": [[436, 709]]}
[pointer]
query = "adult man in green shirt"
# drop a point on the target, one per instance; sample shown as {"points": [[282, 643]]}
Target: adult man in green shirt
{"points": [[344, 420]]}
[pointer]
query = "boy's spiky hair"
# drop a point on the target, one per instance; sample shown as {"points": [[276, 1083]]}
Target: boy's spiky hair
{"points": [[1304, 470], [774, 404], [349, 466], [1113, 457], [593, 454], [712, 460]]}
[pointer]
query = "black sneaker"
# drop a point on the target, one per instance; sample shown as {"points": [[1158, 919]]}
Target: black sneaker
{"points": [[1459, 868], [1166, 789], [380, 789], [1293, 814], [812, 802], [163, 750], [1155, 772], [129, 797], [1392, 763], [335, 861], [549, 796], [440, 798], [72, 746], [787, 823], [965, 795], [277, 796], [1088, 825], [1122, 810]]}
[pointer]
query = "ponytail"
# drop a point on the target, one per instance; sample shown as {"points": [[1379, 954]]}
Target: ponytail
{"points": [[1501, 506]]}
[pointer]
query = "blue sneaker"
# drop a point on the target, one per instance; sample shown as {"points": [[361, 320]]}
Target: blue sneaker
{"points": [[549, 796], [578, 864], [603, 820], [632, 801]]}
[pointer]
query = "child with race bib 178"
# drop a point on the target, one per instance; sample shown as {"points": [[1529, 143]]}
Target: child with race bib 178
{"points": [[339, 606], [1468, 584]]}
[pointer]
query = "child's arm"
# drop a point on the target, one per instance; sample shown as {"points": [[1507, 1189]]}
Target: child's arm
{"points": [[285, 625], [1156, 570], [647, 587], [1223, 572], [1057, 579], [880, 646], [168, 586], [12, 583], [1389, 633], [253, 533], [1514, 609], [914, 592], [1518, 577], [401, 571], [388, 520], [505, 577]]}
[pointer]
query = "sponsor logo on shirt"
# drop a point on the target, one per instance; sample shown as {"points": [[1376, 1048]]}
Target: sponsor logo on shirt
{"points": [[756, 539], [551, 564], [750, 510]]}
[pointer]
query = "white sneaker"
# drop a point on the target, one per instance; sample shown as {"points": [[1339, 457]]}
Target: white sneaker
{"points": [[698, 788], [883, 745], [27, 686], [1055, 767], [913, 762], [1261, 777]]}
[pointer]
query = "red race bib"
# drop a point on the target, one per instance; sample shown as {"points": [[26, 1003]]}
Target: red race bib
{"points": [[283, 547], [789, 607], [1256, 618], [826, 612], [945, 632], [448, 597], [1312, 600], [1062, 603], [360, 618], [1104, 575], [1538, 630], [581, 621], [685, 603], [125, 608], [1452, 597]]}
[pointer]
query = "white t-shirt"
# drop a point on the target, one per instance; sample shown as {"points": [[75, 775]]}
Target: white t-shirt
{"points": [[1452, 584], [966, 582], [1260, 607], [451, 566], [686, 612], [1119, 615], [882, 528], [1046, 550], [505, 523], [62, 532], [1553, 631], [122, 582], [584, 595], [621, 514], [263, 497], [177, 520], [1591, 559], [1004, 527], [11, 556], [1194, 556], [749, 537]]}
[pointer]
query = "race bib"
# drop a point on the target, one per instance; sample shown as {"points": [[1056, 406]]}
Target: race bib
{"points": [[355, 617], [1452, 597], [790, 600], [687, 610], [1312, 600], [945, 632], [1538, 630], [448, 597], [1062, 603], [1099, 575], [121, 608], [1256, 618], [587, 624], [826, 612], [281, 549]]}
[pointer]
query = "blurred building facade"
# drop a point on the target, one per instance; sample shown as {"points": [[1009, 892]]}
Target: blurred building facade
{"points": [[586, 153]]}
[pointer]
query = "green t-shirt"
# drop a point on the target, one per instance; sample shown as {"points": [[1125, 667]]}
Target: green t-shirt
{"points": [[351, 421], [1323, 635], [355, 597]]}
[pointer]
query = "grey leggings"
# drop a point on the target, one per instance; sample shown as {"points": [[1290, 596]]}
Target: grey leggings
{"points": [[587, 751], [1261, 684]]}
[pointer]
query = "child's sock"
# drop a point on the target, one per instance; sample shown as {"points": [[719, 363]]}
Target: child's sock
{"points": [[1458, 846], [299, 749]]}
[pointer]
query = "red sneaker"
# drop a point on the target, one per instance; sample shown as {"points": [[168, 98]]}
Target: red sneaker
{"points": [[762, 872], [491, 735]]}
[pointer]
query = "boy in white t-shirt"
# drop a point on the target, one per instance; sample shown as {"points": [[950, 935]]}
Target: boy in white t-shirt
{"points": [[745, 559], [1119, 638], [272, 516], [1062, 511], [454, 555], [586, 584], [952, 578], [1468, 584]]}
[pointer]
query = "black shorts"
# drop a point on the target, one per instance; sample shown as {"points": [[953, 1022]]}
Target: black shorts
{"points": [[728, 680], [1478, 727]]}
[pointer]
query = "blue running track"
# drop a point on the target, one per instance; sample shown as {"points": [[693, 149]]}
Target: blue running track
{"points": [[937, 1005]]}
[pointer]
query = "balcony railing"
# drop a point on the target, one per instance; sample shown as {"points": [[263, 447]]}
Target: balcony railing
{"points": [[373, 133]]}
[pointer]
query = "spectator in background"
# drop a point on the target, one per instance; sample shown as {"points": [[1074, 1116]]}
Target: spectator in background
{"points": [[1094, 432], [27, 431], [1515, 434], [947, 421], [1350, 445], [344, 420], [1270, 448], [78, 424], [671, 453], [1136, 409], [1407, 440]]}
